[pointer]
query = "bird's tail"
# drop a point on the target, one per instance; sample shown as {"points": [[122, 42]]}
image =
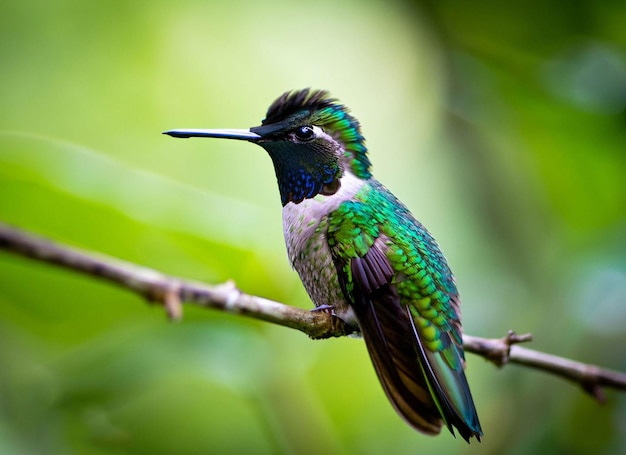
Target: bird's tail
{"points": [[426, 388]]}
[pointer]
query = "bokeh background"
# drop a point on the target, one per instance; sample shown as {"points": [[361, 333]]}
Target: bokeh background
{"points": [[501, 125]]}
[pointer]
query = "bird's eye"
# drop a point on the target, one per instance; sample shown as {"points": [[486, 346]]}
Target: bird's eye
{"points": [[305, 133]]}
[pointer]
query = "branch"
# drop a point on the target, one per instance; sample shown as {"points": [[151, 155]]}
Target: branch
{"points": [[171, 292]]}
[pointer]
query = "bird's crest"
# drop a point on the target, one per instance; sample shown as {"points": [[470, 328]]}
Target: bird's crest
{"points": [[317, 107]]}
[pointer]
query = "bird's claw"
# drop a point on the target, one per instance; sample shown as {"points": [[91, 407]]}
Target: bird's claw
{"points": [[328, 309]]}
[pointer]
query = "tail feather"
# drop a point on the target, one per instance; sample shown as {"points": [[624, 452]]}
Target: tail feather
{"points": [[420, 384], [426, 387], [449, 387]]}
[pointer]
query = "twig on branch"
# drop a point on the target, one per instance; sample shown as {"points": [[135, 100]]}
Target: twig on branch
{"points": [[171, 292]]}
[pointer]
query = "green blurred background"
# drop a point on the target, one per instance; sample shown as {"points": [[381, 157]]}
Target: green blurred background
{"points": [[501, 125]]}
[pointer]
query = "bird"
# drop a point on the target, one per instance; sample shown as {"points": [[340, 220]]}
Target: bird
{"points": [[363, 256]]}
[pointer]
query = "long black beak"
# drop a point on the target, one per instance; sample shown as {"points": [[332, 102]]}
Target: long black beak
{"points": [[242, 135]]}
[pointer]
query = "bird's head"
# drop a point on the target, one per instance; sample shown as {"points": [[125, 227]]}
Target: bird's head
{"points": [[313, 142]]}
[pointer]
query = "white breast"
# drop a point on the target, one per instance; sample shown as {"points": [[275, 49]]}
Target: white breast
{"points": [[305, 227], [300, 221]]}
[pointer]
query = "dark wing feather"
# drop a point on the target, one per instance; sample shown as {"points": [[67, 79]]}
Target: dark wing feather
{"points": [[388, 336], [418, 382]]}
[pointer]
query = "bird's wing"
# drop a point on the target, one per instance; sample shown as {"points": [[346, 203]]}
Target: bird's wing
{"points": [[410, 326]]}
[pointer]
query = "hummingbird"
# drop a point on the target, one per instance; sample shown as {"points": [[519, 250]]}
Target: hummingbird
{"points": [[362, 256]]}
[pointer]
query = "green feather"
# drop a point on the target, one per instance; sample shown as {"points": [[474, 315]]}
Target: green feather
{"points": [[405, 299]]}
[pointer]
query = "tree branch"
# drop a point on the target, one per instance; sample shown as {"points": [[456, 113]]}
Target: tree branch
{"points": [[171, 292]]}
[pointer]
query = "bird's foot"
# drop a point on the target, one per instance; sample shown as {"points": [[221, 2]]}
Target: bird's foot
{"points": [[328, 309], [338, 325]]}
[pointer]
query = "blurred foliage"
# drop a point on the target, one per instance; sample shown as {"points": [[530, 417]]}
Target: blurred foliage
{"points": [[501, 125]]}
